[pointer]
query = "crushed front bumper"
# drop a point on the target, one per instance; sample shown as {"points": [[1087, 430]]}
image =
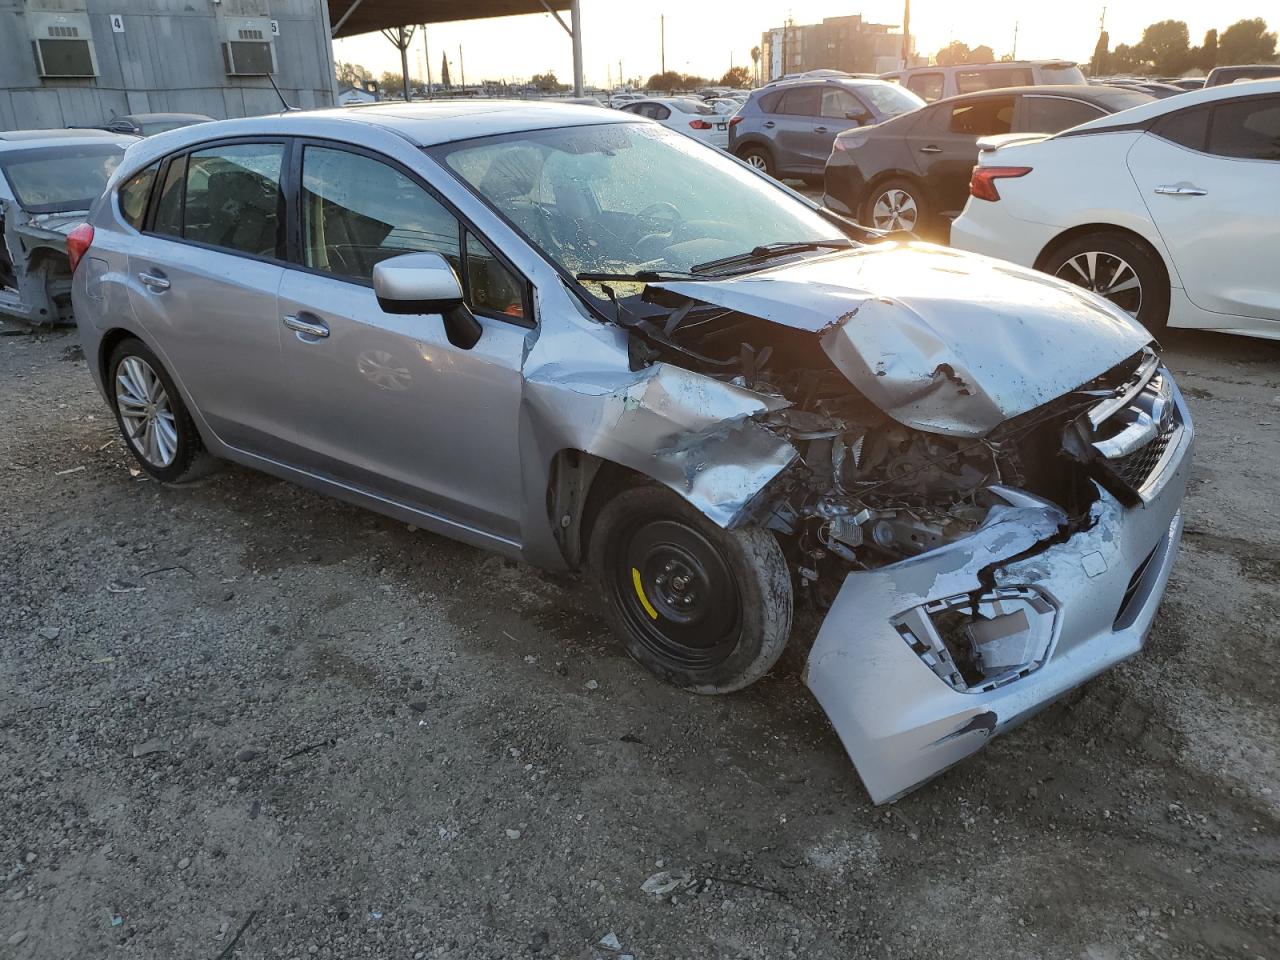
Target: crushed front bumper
{"points": [[903, 716]]}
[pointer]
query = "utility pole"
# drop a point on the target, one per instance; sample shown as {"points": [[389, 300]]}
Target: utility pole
{"points": [[662, 26], [906, 34], [426, 55], [1015, 39], [462, 68]]}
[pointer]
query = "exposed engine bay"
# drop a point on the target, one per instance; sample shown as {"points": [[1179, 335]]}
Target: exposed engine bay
{"points": [[866, 489]]}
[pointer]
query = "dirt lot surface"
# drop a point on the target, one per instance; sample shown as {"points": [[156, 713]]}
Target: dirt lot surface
{"points": [[237, 709]]}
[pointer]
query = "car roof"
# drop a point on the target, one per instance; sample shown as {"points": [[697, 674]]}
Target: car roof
{"points": [[1190, 98], [422, 123], [162, 117], [26, 139], [990, 63], [845, 81], [1092, 92]]}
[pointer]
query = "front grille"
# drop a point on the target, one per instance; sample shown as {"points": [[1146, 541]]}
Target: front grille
{"points": [[1135, 468]]}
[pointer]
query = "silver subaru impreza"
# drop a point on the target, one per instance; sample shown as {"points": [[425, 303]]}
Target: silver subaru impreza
{"points": [[582, 340]]}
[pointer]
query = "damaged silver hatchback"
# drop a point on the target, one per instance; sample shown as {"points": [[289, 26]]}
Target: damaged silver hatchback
{"points": [[579, 339]]}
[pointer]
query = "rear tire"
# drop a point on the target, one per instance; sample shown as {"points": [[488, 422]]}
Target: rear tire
{"points": [[154, 422], [705, 608], [896, 204], [760, 158], [1117, 268]]}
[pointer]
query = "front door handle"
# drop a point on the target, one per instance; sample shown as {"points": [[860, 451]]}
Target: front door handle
{"points": [[311, 328], [156, 281], [1169, 190], [931, 149], [770, 124]]}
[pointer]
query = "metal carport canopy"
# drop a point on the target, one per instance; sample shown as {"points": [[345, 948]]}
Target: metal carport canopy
{"points": [[351, 17]]}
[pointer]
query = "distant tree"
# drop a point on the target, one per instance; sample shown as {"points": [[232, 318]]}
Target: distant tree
{"points": [[1246, 41], [1124, 60], [1100, 65], [1165, 48], [671, 80], [953, 53], [755, 62], [547, 82], [391, 86], [739, 78], [444, 71], [981, 54], [352, 74]]}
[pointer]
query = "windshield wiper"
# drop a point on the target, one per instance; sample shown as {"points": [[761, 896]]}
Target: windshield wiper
{"points": [[640, 276], [767, 251]]}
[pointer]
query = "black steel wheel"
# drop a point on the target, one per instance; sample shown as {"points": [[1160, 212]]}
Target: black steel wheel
{"points": [[706, 608]]}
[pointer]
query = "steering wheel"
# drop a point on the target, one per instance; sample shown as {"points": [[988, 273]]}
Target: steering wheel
{"points": [[652, 211]]}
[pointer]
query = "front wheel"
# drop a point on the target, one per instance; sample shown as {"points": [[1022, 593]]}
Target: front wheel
{"points": [[1118, 269], [705, 608]]}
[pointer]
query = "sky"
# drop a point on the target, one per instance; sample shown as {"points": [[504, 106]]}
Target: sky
{"points": [[707, 36]]}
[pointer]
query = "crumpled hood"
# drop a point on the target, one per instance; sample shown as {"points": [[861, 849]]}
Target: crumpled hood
{"points": [[941, 340]]}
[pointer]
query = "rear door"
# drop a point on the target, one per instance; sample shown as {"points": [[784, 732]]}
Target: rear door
{"points": [[1210, 177], [792, 128], [203, 280], [385, 402], [946, 144]]}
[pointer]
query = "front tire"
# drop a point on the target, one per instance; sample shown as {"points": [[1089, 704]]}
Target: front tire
{"points": [[155, 423], [1119, 269], [705, 608]]}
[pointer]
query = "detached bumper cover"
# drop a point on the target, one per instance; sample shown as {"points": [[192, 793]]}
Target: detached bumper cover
{"points": [[900, 718]]}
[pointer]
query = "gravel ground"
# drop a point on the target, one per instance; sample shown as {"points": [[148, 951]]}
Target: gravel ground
{"points": [[238, 719]]}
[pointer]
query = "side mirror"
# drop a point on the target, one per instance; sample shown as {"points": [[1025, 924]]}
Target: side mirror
{"points": [[424, 283]]}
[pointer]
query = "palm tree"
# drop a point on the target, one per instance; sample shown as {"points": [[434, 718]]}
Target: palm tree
{"points": [[755, 60]]}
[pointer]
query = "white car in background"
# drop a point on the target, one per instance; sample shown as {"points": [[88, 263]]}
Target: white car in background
{"points": [[690, 116], [1170, 210]]}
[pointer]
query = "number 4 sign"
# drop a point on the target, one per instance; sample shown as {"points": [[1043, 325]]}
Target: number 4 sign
{"points": [[117, 23]]}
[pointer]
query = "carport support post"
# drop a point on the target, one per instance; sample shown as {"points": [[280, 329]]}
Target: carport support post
{"points": [[575, 19]]}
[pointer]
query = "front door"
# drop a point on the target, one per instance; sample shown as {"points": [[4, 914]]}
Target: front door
{"points": [[1210, 177], [945, 144], [384, 402], [203, 281]]}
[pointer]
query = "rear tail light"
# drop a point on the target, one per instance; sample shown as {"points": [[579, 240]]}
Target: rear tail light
{"points": [[983, 182], [699, 124], [734, 121], [78, 242]]}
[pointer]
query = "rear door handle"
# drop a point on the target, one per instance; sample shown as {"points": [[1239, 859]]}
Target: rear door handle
{"points": [[770, 124], [821, 130], [930, 149], [311, 328], [1169, 190], [156, 281]]}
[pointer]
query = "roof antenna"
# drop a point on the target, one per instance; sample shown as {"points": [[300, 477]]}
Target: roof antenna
{"points": [[287, 108]]}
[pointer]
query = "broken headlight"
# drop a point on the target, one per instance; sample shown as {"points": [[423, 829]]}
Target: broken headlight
{"points": [[977, 643]]}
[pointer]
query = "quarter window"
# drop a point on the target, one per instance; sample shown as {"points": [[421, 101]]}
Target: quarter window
{"points": [[492, 287], [1053, 114], [927, 86], [357, 212], [1247, 129], [134, 195], [233, 199], [1187, 128]]}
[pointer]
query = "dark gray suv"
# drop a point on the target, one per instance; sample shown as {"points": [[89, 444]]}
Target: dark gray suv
{"points": [[787, 128]]}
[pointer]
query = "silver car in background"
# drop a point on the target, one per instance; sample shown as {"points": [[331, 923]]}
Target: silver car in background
{"points": [[579, 339]]}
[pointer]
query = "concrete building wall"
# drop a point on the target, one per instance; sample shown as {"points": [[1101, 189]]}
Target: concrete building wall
{"points": [[168, 58], [837, 43]]}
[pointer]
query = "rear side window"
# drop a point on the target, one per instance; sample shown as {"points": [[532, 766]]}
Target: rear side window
{"points": [[926, 86], [1247, 129], [168, 220], [233, 199], [983, 118], [973, 81], [134, 195], [1187, 128], [1054, 114], [804, 102], [357, 212]]}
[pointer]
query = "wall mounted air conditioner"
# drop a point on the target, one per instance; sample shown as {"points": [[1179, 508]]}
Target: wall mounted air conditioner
{"points": [[247, 49], [62, 44]]}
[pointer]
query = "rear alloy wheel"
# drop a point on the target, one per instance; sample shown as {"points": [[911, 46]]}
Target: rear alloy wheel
{"points": [[153, 420], [757, 157], [1117, 269], [706, 608], [895, 205]]}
